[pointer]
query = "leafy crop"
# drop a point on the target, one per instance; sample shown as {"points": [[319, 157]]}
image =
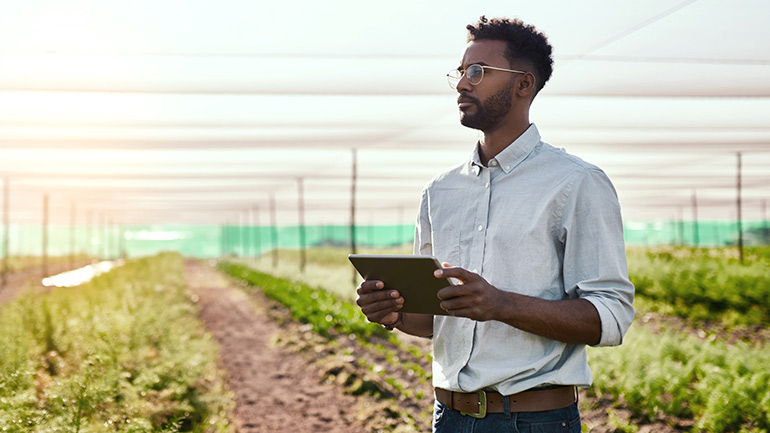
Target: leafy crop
{"points": [[704, 284], [123, 352], [722, 387], [316, 307]]}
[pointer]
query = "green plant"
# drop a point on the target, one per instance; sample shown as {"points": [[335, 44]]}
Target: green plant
{"points": [[123, 352]]}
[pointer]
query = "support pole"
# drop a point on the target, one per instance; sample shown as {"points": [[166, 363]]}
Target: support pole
{"points": [[241, 240], [274, 229], [353, 180], [6, 225], [89, 233], [765, 226], [103, 238], [257, 234], [45, 236], [72, 235], [301, 216], [740, 215], [695, 233], [249, 231]]}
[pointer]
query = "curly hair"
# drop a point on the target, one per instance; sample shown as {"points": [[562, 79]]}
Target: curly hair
{"points": [[525, 43]]}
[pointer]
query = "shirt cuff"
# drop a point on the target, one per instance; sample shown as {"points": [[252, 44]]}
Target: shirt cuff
{"points": [[612, 335]]}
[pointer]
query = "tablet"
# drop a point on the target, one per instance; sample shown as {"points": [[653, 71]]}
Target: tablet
{"points": [[412, 276]]}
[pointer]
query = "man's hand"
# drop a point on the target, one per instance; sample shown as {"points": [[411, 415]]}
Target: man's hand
{"points": [[379, 306], [473, 298]]}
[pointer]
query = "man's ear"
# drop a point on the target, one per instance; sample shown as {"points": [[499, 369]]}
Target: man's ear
{"points": [[526, 85]]}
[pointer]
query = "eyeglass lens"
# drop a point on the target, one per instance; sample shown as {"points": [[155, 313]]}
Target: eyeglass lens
{"points": [[474, 74]]}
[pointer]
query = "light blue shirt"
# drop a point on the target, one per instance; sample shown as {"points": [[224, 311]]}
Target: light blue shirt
{"points": [[539, 222]]}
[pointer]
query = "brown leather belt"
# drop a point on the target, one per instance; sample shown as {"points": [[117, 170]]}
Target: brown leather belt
{"points": [[478, 404]]}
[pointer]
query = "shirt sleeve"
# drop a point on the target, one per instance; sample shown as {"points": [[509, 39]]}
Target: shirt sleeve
{"points": [[422, 236], [595, 267]]}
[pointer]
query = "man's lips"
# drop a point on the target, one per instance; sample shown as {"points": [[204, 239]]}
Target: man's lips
{"points": [[465, 102]]}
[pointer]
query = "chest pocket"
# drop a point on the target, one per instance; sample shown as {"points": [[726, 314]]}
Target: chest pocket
{"points": [[446, 245], [447, 215]]}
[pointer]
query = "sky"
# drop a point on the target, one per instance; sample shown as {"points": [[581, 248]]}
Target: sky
{"points": [[171, 112]]}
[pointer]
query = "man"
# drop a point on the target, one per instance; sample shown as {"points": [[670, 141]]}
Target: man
{"points": [[533, 236]]}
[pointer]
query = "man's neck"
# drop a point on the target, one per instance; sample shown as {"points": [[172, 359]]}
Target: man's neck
{"points": [[494, 142]]}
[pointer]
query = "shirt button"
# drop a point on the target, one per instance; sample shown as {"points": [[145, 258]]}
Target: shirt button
{"points": [[487, 185], [507, 167], [481, 228], [493, 163]]}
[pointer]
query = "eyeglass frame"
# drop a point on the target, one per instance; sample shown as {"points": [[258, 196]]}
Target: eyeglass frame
{"points": [[462, 74]]}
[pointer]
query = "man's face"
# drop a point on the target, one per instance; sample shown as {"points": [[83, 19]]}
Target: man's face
{"points": [[485, 105]]}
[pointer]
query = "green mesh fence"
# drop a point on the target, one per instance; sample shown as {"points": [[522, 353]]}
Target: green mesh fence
{"points": [[213, 241]]}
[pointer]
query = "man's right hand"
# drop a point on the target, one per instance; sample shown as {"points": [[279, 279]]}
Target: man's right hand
{"points": [[379, 305]]}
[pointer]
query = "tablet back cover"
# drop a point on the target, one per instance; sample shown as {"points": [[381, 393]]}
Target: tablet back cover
{"points": [[412, 276]]}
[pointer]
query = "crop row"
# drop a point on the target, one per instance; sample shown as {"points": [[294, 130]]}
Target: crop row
{"points": [[721, 387], [123, 352], [705, 284], [346, 330]]}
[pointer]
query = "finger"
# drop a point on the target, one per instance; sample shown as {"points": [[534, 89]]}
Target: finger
{"points": [[450, 292], [377, 310], [377, 296], [454, 272], [385, 296], [368, 286]]}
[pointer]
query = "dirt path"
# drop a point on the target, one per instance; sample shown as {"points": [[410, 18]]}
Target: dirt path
{"points": [[275, 391], [31, 278]]}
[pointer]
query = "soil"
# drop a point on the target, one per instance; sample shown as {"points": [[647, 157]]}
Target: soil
{"points": [[18, 282], [275, 391]]}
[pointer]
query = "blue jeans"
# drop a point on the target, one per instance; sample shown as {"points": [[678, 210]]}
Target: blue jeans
{"points": [[565, 420]]}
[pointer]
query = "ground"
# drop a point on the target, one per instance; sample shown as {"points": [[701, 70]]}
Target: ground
{"points": [[277, 382], [275, 391]]}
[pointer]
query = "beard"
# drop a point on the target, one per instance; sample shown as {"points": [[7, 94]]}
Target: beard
{"points": [[489, 113]]}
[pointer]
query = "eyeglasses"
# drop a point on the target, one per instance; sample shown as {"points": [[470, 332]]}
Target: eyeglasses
{"points": [[474, 74]]}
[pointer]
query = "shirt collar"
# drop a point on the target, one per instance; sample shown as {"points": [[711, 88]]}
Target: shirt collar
{"points": [[513, 154]]}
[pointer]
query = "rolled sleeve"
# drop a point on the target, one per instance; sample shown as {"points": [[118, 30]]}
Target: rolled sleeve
{"points": [[595, 267]]}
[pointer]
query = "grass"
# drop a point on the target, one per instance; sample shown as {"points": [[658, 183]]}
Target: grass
{"points": [[123, 352]]}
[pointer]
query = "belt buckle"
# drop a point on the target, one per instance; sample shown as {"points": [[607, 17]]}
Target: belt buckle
{"points": [[482, 406]]}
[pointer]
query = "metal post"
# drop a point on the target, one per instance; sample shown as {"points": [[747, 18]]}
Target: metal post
{"points": [[695, 233], [257, 234], [240, 235], [354, 179], [89, 233], [301, 216], [249, 232], [765, 226], [72, 235], [740, 216], [45, 236], [6, 225], [274, 229]]}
